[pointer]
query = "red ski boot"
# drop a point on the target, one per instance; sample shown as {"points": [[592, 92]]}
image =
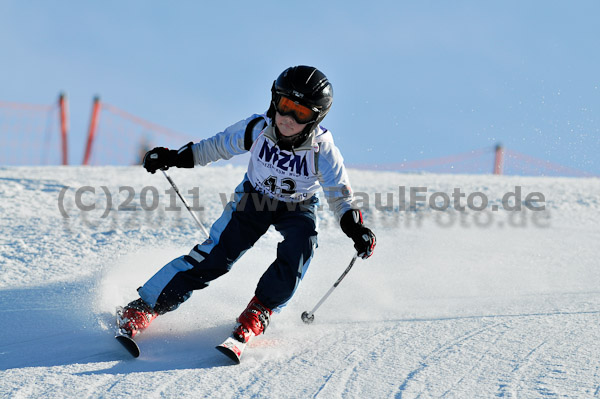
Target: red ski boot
{"points": [[253, 321], [136, 317]]}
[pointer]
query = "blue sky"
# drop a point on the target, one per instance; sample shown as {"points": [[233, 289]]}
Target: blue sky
{"points": [[412, 80]]}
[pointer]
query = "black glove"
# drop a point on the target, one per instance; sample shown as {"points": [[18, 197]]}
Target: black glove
{"points": [[363, 237], [163, 158]]}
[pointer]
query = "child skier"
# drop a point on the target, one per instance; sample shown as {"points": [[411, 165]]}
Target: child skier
{"points": [[291, 157]]}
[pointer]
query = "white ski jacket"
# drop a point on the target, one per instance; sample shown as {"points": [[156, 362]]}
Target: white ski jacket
{"points": [[283, 175]]}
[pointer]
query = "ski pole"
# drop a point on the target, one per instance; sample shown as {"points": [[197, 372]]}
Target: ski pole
{"points": [[309, 317], [186, 204]]}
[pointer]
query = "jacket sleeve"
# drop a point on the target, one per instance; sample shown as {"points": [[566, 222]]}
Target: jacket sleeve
{"points": [[334, 180], [226, 144]]}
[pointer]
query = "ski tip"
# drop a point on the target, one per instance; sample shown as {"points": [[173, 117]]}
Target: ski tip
{"points": [[232, 348], [229, 353], [129, 344]]}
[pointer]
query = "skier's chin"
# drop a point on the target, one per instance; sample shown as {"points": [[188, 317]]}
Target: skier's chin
{"points": [[288, 131]]}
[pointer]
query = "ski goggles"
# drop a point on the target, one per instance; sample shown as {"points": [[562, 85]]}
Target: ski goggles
{"points": [[300, 113]]}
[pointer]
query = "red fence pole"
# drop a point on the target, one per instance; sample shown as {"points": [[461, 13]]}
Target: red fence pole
{"points": [[499, 160], [64, 126], [92, 130]]}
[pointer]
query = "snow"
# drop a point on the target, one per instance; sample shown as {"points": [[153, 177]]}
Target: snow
{"points": [[473, 304]]}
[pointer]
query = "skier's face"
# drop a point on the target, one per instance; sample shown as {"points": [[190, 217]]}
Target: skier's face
{"points": [[287, 125]]}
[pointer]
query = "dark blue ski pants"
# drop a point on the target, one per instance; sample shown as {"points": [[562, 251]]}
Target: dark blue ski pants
{"points": [[242, 223]]}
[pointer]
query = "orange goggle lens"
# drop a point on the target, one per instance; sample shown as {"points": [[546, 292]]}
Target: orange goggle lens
{"points": [[301, 114]]}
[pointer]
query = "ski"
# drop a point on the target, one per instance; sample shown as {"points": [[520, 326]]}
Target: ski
{"points": [[128, 343], [232, 348]]}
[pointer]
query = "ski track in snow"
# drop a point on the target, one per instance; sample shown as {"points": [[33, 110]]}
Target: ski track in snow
{"points": [[466, 311]]}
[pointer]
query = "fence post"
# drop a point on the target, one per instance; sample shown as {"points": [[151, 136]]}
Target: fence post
{"points": [[498, 159], [64, 126], [92, 130]]}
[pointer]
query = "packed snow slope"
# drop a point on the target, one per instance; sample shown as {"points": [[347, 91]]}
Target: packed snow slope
{"points": [[478, 303]]}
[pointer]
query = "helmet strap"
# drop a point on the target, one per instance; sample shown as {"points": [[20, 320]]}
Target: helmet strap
{"points": [[287, 143]]}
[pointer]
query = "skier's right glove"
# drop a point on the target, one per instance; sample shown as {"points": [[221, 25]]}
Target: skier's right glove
{"points": [[163, 158], [364, 239]]}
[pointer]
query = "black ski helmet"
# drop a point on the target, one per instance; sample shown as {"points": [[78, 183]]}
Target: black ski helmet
{"points": [[305, 85]]}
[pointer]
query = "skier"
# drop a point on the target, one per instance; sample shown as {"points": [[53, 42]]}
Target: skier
{"points": [[291, 157]]}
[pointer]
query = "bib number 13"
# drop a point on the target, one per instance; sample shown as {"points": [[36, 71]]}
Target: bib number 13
{"points": [[287, 186]]}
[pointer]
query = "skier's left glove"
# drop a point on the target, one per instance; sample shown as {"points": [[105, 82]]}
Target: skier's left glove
{"points": [[364, 239], [163, 158]]}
